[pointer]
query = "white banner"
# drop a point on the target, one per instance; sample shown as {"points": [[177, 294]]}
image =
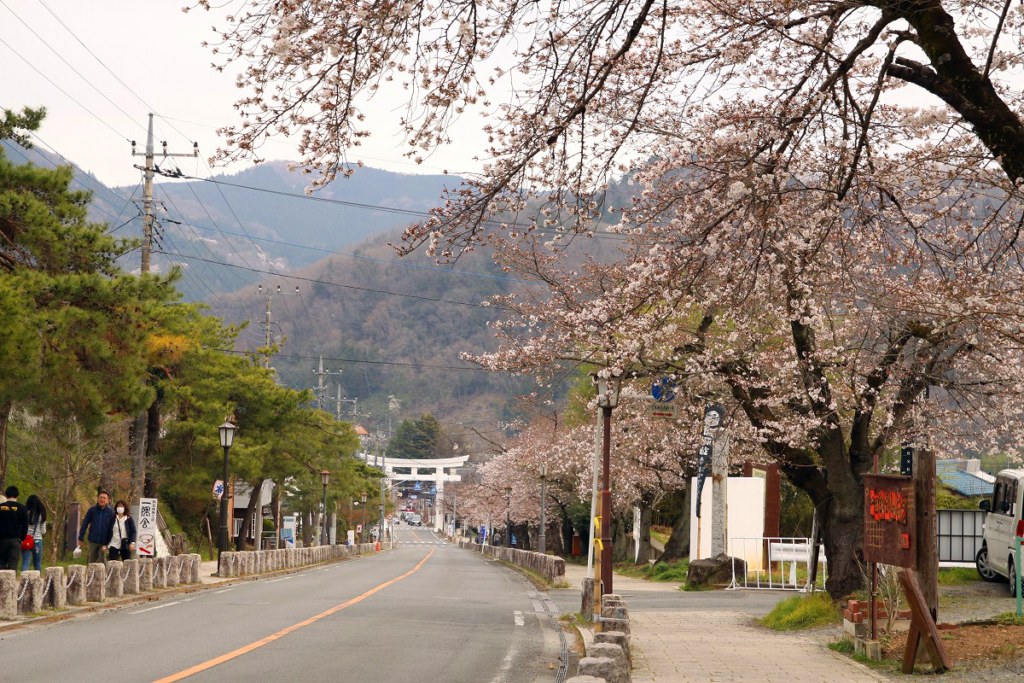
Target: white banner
{"points": [[636, 532], [147, 528]]}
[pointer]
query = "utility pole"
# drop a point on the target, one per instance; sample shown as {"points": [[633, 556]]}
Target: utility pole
{"points": [[320, 374], [140, 425], [268, 337]]}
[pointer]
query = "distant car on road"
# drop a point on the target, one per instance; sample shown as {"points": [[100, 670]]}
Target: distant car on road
{"points": [[415, 520]]}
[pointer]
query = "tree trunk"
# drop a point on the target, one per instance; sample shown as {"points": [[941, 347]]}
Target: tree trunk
{"points": [[5, 420], [622, 541], [843, 538], [554, 536], [275, 511], [250, 511], [678, 545], [567, 529], [152, 450]]}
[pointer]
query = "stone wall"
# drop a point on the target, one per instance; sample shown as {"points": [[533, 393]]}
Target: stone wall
{"points": [[609, 656], [252, 562], [551, 567]]}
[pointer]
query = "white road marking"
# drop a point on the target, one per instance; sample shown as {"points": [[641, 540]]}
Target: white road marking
{"points": [[166, 604], [223, 591], [520, 620], [283, 578]]}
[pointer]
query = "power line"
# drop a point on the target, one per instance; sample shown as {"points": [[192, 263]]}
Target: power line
{"points": [[362, 361], [338, 284]]}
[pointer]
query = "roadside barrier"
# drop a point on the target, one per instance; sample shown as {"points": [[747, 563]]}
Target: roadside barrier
{"points": [[551, 567], [250, 562], [609, 657], [773, 563]]}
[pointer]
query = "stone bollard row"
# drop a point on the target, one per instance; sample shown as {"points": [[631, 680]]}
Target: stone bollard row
{"points": [[131, 577], [56, 591], [609, 658], [8, 594], [30, 592], [96, 582], [115, 579], [146, 569], [77, 578]]}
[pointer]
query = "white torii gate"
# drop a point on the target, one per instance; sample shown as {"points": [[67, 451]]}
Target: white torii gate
{"points": [[442, 472]]}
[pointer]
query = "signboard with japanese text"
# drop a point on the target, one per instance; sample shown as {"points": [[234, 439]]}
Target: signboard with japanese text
{"points": [[890, 526], [147, 528], [288, 531], [712, 419]]}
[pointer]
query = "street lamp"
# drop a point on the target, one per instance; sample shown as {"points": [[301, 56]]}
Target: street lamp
{"points": [[362, 534], [607, 399], [542, 541], [508, 516], [380, 527], [227, 437], [325, 479]]}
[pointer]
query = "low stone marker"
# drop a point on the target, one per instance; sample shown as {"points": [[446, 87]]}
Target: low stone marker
{"points": [[131, 577], [77, 578], [615, 638], [57, 588], [611, 651], [160, 572], [8, 594], [146, 574], [96, 582], [604, 668], [194, 566], [30, 592], [115, 579]]}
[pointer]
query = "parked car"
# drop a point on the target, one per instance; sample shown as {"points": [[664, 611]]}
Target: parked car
{"points": [[995, 561], [415, 520]]}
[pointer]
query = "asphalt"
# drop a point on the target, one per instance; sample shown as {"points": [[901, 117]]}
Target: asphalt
{"points": [[456, 618]]}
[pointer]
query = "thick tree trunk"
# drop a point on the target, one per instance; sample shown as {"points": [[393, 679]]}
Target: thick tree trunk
{"points": [[250, 512], [5, 420], [275, 511], [678, 545], [843, 538], [622, 541], [554, 538]]}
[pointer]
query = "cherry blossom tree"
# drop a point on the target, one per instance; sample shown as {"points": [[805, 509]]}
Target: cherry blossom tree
{"points": [[826, 209]]}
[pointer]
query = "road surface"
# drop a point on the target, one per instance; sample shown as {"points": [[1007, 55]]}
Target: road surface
{"points": [[426, 611]]}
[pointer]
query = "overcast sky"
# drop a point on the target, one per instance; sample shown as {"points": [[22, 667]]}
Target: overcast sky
{"points": [[155, 49]]}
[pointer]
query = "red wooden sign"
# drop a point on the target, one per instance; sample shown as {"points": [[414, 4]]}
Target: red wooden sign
{"points": [[889, 525]]}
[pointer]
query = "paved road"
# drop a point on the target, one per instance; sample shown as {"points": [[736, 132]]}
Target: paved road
{"points": [[424, 612]]}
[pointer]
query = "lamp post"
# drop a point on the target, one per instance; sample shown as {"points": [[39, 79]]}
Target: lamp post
{"points": [[607, 399], [227, 437], [362, 535], [380, 526], [542, 541], [508, 516], [325, 479]]}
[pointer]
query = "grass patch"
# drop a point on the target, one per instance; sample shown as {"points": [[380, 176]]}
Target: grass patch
{"points": [[664, 572], [694, 588], [842, 646], [1009, 619], [800, 612], [958, 576], [659, 536]]}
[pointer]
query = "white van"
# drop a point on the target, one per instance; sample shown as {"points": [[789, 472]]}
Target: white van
{"points": [[995, 560]]}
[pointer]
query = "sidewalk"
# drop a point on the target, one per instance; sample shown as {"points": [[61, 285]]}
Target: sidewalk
{"points": [[710, 636]]}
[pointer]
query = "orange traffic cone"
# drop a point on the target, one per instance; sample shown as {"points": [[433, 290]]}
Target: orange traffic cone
{"points": [[378, 546]]}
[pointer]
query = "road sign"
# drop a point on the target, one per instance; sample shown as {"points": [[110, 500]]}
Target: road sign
{"points": [[663, 389], [666, 411], [433, 490], [417, 487], [147, 528], [359, 528], [218, 489], [390, 517]]}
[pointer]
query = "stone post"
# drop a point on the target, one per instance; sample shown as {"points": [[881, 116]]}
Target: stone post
{"points": [[146, 574], [57, 593], [8, 594], [131, 577], [115, 582], [160, 572], [173, 568], [194, 576], [77, 578], [30, 591], [96, 582]]}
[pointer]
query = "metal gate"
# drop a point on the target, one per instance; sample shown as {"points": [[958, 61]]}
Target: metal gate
{"points": [[960, 534]]}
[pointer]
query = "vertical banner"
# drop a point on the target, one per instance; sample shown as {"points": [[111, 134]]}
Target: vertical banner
{"points": [[712, 419], [147, 528], [288, 531], [636, 532]]}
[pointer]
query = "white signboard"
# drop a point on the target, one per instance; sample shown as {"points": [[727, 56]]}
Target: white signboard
{"points": [[288, 531], [666, 411], [636, 532], [218, 489], [147, 526], [351, 537]]}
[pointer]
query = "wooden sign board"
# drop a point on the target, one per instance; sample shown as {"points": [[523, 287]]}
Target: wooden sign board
{"points": [[890, 528]]}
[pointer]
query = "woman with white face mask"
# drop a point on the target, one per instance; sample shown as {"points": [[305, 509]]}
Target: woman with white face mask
{"points": [[121, 538]]}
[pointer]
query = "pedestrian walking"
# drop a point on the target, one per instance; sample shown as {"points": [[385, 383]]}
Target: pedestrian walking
{"points": [[13, 529], [36, 528], [98, 520], [121, 539]]}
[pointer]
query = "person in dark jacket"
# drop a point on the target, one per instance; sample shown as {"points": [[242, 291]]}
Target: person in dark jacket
{"points": [[13, 529], [98, 519], [121, 538]]}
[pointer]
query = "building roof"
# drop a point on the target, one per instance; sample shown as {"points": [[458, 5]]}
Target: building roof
{"points": [[361, 431], [956, 475]]}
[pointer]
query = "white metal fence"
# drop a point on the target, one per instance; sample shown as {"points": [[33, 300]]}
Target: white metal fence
{"points": [[960, 534], [774, 563]]}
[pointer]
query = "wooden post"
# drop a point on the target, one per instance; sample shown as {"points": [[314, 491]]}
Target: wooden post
{"points": [[927, 550]]}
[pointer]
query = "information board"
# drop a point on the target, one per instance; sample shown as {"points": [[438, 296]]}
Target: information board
{"points": [[890, 531], [147, 528]]}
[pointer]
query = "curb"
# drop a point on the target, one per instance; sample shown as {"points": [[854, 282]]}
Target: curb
{"points": [[71, 612]]}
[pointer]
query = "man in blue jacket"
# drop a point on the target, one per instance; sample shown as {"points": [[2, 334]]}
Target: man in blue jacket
{"points": [[98, 519]]}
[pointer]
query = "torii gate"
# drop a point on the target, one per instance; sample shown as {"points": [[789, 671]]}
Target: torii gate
{"points": [[440, 471]]}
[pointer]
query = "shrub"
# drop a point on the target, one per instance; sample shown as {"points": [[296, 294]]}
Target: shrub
{"points": [[802, 612]]}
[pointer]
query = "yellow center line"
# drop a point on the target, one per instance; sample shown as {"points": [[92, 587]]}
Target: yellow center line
{"points": [[414, 535], [234, 654]]}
